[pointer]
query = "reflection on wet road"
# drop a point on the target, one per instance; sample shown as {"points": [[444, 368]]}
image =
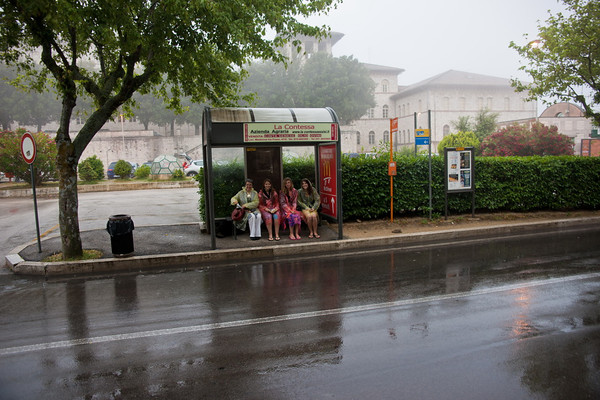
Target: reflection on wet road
{"points": [[464, 320]]}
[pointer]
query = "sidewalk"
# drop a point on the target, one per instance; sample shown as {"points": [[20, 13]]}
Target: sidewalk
{"points": [[184, 246]]}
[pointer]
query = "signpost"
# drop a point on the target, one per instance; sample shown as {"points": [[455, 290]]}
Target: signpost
{"points": [[29, 151], [392, 164], [422, 137]]}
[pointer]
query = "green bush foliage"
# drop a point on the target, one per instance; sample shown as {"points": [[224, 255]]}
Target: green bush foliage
{"points": [[123, 169], [178, 175], [91, 169], [501, 183], [11, 159], [142, 172]]}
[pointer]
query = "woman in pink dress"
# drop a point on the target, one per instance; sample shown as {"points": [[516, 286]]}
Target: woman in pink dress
{"points": [[268, 204], [290, 215]]}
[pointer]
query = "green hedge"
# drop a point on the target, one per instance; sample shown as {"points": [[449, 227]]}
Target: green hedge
{"points": [[502, 184]]}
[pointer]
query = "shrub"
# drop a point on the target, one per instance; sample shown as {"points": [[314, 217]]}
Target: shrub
{"points": [[142, 172], [178, 175], [91, 169], [123, 169], [11, 160]]}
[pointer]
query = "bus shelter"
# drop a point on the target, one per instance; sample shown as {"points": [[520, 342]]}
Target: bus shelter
{"points": [[262, 133]]}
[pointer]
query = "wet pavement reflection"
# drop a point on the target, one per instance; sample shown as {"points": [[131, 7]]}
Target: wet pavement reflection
{"points": [[506, 318]]}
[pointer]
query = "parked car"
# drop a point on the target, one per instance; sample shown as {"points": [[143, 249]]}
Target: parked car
{"points": [[110, 172], [193, 168]]}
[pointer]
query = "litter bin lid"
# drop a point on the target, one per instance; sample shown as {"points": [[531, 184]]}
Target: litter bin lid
{"points": [[119, 217]]}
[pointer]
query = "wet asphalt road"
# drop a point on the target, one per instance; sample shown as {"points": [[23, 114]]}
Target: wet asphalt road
{"points": [[513, 318]]}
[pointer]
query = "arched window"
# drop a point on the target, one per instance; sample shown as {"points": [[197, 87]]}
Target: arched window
{"points": [[357, 137], [386, 111], [371, 113], [386, 136], [371, 137], [384, 86], [446, 130]]}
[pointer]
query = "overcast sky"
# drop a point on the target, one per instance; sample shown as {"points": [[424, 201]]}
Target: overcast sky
{"points": [[428, 37]]}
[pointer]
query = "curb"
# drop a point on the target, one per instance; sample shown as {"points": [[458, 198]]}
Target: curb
{"points": [[211, 257], [103, 187]]}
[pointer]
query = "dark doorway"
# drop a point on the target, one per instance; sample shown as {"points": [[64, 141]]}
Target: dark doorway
{"points": [[262, 163]]}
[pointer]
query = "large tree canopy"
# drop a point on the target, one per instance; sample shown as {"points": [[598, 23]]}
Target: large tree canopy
{"points": [[564, 61], [195, 48], [321, 81]]}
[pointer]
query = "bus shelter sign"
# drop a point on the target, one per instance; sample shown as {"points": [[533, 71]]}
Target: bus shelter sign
{"points": [[290, 132]]}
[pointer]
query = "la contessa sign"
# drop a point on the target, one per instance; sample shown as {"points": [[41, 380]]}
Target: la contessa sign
{"points": [[290, 132]]}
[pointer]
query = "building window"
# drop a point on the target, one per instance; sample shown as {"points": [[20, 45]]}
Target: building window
{"points": [[462, 103], [446, 103], [479, 103], [507, 103], [371, 113], [357, 137], [446, 130], [386, 137], [386, 112], [384, 86], [371, 137], [403, 110], [490, 103]]}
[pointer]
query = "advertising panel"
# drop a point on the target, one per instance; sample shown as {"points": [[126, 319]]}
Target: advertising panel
{"points": [[328, 179], [290, 132], [459, 169]]}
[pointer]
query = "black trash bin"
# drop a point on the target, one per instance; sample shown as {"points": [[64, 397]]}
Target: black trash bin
{"points": [[120, 228]]}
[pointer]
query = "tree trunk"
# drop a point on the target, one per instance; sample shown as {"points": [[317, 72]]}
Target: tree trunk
{"points": [[68, 204], [66, 160]]}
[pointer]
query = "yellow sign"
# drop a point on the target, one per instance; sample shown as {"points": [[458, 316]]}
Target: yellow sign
{"points": [[421, 133]]}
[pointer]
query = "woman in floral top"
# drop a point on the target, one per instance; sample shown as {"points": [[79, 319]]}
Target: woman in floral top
{"points": [[290, 215], [268, 204]]}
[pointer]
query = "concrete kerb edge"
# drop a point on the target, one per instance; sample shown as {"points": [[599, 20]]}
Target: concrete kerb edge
{"points": [[204, 258]]}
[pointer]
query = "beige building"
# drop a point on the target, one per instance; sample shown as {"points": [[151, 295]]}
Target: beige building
{"points": [[448, 96]]}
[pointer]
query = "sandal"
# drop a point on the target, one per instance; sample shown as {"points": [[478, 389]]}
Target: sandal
{"points": [[270, 239], [310, 236], [298, 237], [277, 238], [292, 238], [317, 236]]}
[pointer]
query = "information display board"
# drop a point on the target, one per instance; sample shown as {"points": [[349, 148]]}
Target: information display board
{"points": [[459, 169]]}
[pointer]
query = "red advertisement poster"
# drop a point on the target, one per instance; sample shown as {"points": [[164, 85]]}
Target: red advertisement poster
{"points": [[327, 179]]}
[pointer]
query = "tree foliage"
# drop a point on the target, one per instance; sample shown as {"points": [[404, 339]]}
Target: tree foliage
{"points": [[175, 48], [11, 159], [564, 60], [460, 139], [482, 126], [321, 81], [518, 140]]}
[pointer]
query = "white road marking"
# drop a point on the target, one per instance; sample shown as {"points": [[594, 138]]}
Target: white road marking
{"points": [[289, 317]]}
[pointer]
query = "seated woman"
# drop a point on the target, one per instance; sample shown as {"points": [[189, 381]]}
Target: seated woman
{"points": [[309, 202], [268, 204], [247, 198], [290, 215]]}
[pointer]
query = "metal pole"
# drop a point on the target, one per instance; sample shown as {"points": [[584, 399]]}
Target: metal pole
{"points": [[430, 194], [37, 221], [414, 133]]}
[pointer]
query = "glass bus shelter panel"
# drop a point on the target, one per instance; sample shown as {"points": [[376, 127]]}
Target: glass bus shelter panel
{"points": [[313, 115]]}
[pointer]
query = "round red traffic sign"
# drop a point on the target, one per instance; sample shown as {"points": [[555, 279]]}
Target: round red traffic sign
{"points": [[28, 150]]}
